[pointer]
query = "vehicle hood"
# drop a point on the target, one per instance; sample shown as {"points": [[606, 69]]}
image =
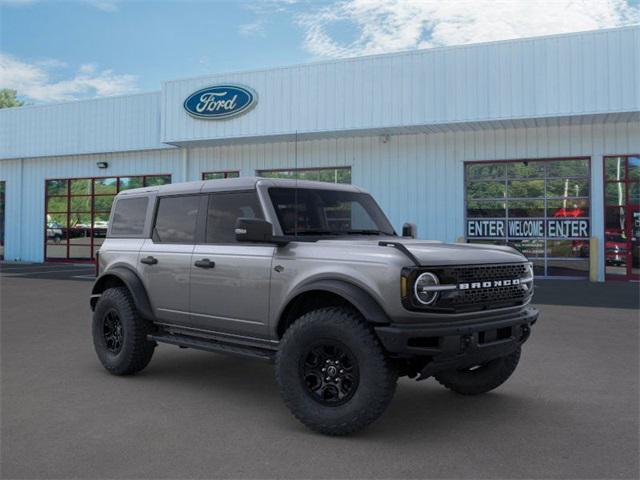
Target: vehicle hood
{"points": [[431, 253]]}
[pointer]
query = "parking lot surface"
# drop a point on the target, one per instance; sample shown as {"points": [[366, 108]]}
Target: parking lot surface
{"points": [[569, 411]]}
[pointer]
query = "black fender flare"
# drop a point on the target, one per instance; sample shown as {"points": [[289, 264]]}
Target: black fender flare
{"points": [[132, 281], [357, 296]]}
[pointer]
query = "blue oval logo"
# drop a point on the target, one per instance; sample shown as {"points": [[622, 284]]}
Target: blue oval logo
{"points": [[220, 101]]}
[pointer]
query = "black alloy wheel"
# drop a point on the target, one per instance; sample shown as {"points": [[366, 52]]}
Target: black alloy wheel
{"points": [[113, 332], [330, 373]]}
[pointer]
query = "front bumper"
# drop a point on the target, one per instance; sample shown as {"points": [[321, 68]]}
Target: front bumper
{"points": [[449, 346]]}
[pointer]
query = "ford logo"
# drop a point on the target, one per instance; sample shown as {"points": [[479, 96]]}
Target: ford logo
{"points": [[220, 101]]}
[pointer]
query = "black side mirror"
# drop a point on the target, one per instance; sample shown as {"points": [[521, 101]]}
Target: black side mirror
{"points": [[256, 230], [409, 230]]}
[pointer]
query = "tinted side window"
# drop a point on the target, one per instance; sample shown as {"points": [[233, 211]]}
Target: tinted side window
{"points": [[176, 219], [225, 209], [128, 217]]}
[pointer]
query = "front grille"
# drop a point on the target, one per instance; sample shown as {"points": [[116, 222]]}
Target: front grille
{"points": [[486, 297], [489, 295], [490, 272]]}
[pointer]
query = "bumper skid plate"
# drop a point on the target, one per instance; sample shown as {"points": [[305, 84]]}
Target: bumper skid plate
{"points": [[459, 345]]}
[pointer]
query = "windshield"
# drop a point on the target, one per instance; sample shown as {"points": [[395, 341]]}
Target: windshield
{"points": [[328, 212]]}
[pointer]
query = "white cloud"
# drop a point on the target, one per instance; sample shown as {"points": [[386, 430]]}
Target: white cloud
{"points": [[104, 5], [35, 82], [391, 25], [252, 28]]}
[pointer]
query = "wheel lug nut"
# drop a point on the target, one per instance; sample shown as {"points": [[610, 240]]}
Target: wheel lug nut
{"points": [[341, 371], [323, 369], [328, 379]]}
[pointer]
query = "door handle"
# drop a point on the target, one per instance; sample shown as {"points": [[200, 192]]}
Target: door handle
{"points": [[149, 260], [205, 263]]}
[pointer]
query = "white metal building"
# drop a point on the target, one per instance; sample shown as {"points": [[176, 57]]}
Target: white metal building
{"points": [[535, 142]]}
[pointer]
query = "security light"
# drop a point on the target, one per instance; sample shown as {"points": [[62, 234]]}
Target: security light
{"points": [[102, 164]]}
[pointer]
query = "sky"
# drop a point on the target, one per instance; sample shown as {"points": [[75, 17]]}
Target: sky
{"points": [[54, 50]]}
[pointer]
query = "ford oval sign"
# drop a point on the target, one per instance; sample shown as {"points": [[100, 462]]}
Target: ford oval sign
{"points": [[220, 102]]}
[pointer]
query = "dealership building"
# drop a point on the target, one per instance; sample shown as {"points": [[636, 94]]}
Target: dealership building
{"points": [[531, 142]]}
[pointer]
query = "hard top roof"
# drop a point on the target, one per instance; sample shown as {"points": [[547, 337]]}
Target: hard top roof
{"points": [[240, 183]]}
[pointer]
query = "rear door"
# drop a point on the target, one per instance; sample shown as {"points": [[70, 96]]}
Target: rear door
{"points": [[230, 280], [165, 258]]}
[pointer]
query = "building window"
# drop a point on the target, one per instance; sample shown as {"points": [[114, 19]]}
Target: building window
{"points": [[540, 207], [77, 212], [330, 175], [220, 175], [2, 187], [622, 217]]}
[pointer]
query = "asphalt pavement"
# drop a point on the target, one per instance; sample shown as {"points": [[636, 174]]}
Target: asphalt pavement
{"points": [[569, 411]]}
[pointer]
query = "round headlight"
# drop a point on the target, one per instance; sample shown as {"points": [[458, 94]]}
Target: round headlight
{"points": [[423, 293]]}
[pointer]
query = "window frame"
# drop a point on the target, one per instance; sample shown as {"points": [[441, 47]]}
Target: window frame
{"points": [[3, 217], [93, 247], [226, 174], [260, 172], [627, 181], [545, 259]]}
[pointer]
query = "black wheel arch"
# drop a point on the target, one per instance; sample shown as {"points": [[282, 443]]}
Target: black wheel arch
{"points": [[123, 276], [329, 292]]}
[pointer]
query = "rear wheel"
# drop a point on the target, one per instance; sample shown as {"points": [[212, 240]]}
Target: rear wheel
{"points": [[333, 373], [120, 334], [480, 378]]}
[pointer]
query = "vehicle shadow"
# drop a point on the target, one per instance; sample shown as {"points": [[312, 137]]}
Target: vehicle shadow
{"points": [[418, 408], [611, 294]]}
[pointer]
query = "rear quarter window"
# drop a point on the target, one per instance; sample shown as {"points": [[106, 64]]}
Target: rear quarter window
{"points": [[129, 215]]}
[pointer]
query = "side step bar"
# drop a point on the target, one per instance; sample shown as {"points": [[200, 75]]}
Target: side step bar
{"points": [[215, 346]]}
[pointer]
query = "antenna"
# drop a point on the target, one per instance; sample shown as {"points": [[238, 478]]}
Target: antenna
{"points": [[295, 196]]}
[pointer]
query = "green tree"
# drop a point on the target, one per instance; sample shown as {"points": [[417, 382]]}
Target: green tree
{"points": [[8, 98]]}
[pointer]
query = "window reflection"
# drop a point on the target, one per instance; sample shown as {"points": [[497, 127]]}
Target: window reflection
{"points": [[614, 168], [526, 170], [522, 195], [220, 175], [330, 175], [615, 193], [526, 188]]}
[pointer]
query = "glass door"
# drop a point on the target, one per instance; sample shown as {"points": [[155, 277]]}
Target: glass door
{"points": [[622, 217], [77, 213], [2, 186]]}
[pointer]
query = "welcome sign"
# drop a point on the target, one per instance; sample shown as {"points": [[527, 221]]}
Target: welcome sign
{"points": [[528, 228], [220, 102]]}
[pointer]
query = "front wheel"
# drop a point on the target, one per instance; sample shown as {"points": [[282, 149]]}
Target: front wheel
{"points": [[333, 373], [120, 334], [480, 378]]}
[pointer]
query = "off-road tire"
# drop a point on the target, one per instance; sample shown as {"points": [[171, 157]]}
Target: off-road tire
{"points": [[376, 382], [136, 351], [482, 379]]}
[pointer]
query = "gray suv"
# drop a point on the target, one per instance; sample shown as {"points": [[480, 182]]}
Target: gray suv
{"points": [[310, 276]]}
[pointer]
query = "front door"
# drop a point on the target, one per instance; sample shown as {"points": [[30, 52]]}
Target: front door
{"points": [[230, 280], [165, 259], [622, 217]]}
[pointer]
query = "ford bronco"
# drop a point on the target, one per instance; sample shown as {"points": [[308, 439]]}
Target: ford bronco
{"points": [[313, 277]]}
